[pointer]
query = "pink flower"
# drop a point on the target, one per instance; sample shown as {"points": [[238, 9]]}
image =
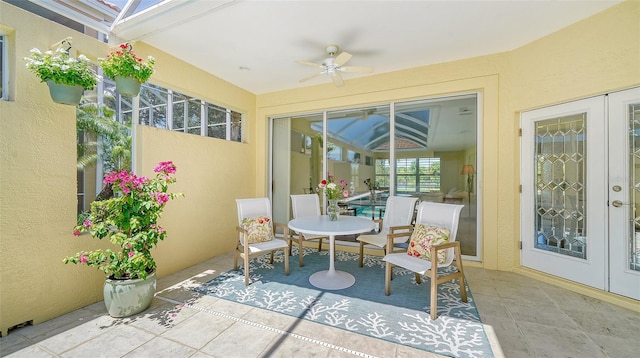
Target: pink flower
{"points": [[161, 198], [165, 167], [82, 258], [131, 253], [86, 223], [160, 230], [76, 232], [345, 193]]}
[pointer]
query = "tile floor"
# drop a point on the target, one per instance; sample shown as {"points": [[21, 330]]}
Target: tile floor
{"points": [[528, 318]]}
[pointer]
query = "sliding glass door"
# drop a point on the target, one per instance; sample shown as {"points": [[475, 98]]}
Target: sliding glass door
{"points": [[423, 148]]}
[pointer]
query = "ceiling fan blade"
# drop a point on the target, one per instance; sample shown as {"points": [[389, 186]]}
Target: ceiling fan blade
{"points": [[342, 59], [307, 63], [356, 69], [336, 78], [313, 76]]}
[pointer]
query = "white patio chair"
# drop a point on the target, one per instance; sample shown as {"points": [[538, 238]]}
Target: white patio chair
{"points": [[443, 216], [256, 234], [397, 218], [304, 205]]}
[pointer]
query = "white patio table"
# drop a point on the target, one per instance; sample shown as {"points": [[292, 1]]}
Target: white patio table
{"points": [[331, 279]]}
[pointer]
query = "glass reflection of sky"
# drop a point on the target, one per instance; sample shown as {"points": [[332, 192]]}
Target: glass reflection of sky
{"points": [[373, 132], [144, 4]]}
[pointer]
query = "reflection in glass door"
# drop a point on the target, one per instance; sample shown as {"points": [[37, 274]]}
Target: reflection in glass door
{"points": [[414, 148]]}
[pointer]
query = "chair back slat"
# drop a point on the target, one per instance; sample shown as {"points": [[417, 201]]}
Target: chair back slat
{"points": [[398, 212], [305, 205], [254, 207], [442, 215]]}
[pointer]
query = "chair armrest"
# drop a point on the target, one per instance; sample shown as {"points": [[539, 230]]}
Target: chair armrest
{"points": [[444, 246], [390, 237], [393, 229], [285, 230], [243, 232]]}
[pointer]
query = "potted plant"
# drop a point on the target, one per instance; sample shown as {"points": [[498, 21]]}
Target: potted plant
{"points": [[66, 76], [127, 70], [130, 221]]}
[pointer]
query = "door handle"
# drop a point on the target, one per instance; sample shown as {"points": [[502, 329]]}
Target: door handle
{"points": [[617, 203]]}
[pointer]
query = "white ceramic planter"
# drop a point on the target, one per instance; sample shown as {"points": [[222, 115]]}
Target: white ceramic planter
{"points": [[124, 298]]}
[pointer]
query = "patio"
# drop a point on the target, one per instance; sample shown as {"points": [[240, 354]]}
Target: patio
{"points": [[523, 318]]}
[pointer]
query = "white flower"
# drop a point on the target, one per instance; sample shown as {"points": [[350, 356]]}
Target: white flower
{"points": [[331, 186]]}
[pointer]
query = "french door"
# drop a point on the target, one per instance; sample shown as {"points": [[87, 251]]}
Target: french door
{"points": [[579, 177]]}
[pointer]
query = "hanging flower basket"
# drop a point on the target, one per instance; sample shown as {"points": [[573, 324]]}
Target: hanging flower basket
{"points": [[127, 86], [65, 94], [124, 64], [66, 76]]}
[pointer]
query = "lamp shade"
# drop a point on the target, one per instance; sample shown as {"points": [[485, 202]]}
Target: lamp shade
{"points": [[467, 169]]}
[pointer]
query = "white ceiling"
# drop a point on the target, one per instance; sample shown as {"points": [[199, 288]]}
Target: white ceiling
{"points": [[254, 44]]}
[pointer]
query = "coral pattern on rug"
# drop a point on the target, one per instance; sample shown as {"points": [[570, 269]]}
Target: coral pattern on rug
{"points": [[402, 317]]}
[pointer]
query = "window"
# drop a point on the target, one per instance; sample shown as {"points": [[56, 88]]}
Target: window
{"points": [[417, 175], [167, 109], [382, 173], [334, 152], [4, 73]]}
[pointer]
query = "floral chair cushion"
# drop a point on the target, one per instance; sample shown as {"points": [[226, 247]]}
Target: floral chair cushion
{"points": [[425, 236], [258, 229]]}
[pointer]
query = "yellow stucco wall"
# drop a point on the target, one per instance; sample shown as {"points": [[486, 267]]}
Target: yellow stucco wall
{"points": [[37, 137], [38, 178]]}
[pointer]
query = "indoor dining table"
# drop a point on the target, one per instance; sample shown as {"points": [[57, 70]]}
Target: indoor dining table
{"points": [[331, 279]]}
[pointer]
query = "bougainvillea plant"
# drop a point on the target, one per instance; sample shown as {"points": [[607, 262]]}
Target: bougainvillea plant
{"points": [[129, 221]]}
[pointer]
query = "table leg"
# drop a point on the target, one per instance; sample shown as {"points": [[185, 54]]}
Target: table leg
{"points": [[332, 279]]}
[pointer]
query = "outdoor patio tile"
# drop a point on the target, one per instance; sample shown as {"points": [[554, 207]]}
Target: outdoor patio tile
{"points": [[271, 319], [409, 352], [59, 324], [318, 331], [552, 342], [227, 307], [160, 347], [489, 306], [549, 315], [523, 294], [512, 342], [64, 340], [113, 343], [602, 324], [617, 346], [293, 347], [230, 344], [365, 344], [200, 355], [33, 351], [199, 330], [159, 319]]}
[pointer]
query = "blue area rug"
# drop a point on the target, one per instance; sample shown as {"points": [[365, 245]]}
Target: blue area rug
{"points": [[402, 317]]}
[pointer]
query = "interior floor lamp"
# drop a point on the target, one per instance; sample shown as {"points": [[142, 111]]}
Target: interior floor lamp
{"points": [[468, 170]]}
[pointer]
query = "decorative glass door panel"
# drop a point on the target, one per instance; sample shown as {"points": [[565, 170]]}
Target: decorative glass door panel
{"points": [[560, 185]]}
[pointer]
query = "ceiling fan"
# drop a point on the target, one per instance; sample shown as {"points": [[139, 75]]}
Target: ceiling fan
{"points": [[333, 65]]}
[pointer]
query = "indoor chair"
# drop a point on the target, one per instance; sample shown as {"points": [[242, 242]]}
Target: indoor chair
{"points": [[397, 218], [434, 220], [256, 234], [304, 205]]}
